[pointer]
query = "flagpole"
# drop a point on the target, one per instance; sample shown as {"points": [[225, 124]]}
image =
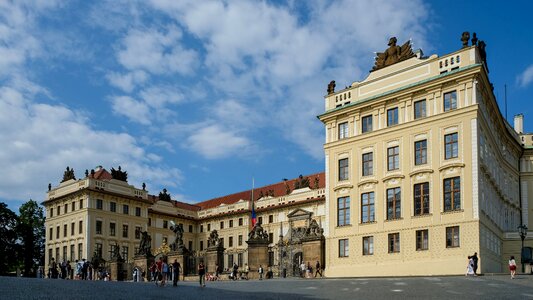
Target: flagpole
{"points": [[253, 204]]}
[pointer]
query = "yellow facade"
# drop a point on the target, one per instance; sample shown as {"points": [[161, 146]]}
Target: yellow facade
{"points": [[429, 166]]}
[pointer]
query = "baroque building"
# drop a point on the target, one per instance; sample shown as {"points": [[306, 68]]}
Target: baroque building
{"points": [[91, 216], [422, 170]]}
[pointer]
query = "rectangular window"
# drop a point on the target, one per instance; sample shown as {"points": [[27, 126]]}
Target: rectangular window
{"points": [[81, 203], [72, 228], [451, 146], [80, 227], [222, 225], [270, 218], [99, 204], [51, 212], [368, 245], [367, 208], [392, 116], [138, 232], [165, 224], [240, 240], [394, 242], [452, 193], [201, 228], [149, 221], [240, 221], [421, 198], [80, 251], [113, 206], [201, 245], [230, 260], [270, 258], [125, 209], [66, 208], [421, 152], [230, 241], [343, 169], [51, 233], [112, 229], [344, 248], [190, 228], [343, 130], [64, 253], [59, 210], [393, 158], [230, 223], [366, 124], [422, 240], [57, 233], [65, 230], [368, 164], [343, 211], [73, 206], [270, 238], [72, 252], [98, 227], [260, 220], [98, 249], [124, 231], [125, 252], [420, 109], [450, 101], [208, 227], [137, 211], [452, 237], [394, 210]]}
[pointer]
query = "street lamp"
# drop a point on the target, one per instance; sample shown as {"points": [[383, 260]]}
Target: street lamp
{"points": [[522, 231]]}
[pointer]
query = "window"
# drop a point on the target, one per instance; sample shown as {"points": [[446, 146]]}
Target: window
{"points": [[138, 232], [230, 223], [452, 193], [65, 230], [368, 245], [366, 125], [343, 211], [201, 245], [51, 233], [149, 221], [190, 228], [230, 260], [98, 249], [392, 116], [240, 221], [343, 130], [421, 154], [137, 211], [57, 233], [80, 251], [201, 228], [72, 252], [421, 198], [451, 147], [125, 252], [81, 203], [208, 227], [367, 207], [394, 242], [113, 206], [112, 229], [99, 204], [64, 252], [450, 101], [422, 240], [125, 209], [66, 208], [343, 248], [222, 242], [80, 227], [230, 241], [343, 169], [165, 224], [270, 218], [124, 230], [72, 228], [59, 210], [98, 227], [51, 212], [270, 258], [452, 237], [260, 220], [368, 164], [394, 207], [420, 109], [222, 225], [73, 206], [393, 158], [270, 238], [240, 240]]}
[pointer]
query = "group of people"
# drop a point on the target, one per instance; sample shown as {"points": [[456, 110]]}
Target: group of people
{"points": [[306, 271], [63, 270], [471, 267], [161, 272]]}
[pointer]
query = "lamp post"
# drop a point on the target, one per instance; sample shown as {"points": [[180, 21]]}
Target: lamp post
{"points": [[522, 231]]}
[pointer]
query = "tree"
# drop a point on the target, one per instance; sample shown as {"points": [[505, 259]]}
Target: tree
{"points": [[31, 233], [8, 239]]}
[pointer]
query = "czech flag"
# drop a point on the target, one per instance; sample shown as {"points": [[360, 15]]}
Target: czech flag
{"points": [[254, 219]]}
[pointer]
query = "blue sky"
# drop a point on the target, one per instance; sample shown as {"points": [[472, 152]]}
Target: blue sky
{"points": [[200, 96]]}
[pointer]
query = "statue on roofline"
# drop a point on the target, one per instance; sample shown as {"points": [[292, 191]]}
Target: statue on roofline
{"points": [[393, 54]]}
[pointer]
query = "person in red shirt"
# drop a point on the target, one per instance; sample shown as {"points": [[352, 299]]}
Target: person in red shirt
{"points": [[158, 271]]}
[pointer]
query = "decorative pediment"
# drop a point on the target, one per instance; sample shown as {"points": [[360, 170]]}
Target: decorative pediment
{"points": [[299, 214], [451, 168], [394, 178]]}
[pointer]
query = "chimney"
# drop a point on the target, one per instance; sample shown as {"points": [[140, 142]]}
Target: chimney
{"points": [[519, 123]]}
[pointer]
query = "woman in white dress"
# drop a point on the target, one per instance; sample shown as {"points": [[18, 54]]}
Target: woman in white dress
{"points": [[470, 266]]}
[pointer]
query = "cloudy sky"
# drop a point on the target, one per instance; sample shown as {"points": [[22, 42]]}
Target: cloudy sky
{"points": [[200, 96]]}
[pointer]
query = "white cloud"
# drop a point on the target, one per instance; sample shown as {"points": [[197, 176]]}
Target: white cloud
{"points": [[526, 77], [214, 142], [158, 97], [127, 82], [135, 110]]}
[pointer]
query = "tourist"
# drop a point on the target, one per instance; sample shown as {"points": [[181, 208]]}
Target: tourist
{"points": [[153, 271], [84, 266], [52, 272], [78, 270], [470, 266], [302, 269], [260, 270], [309, 270], [512, 267], [158, 269], [318, 270], [217, 272], [69, 270], [246, 271], [164, 271], [201, 273], [176, 272], [235, 271], [474, 260]]}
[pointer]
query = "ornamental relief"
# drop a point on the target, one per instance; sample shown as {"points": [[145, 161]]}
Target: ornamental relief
{"points": [[421, 176], [368, 186]]}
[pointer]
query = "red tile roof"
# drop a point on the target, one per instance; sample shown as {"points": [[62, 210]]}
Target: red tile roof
{"points": [[278, 188], [101, 174]]}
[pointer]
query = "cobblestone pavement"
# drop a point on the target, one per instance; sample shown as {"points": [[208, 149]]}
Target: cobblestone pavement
{"points": [[452, 287]]}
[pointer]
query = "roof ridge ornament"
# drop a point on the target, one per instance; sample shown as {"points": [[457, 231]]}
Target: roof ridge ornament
{"points": [[393, 54]]}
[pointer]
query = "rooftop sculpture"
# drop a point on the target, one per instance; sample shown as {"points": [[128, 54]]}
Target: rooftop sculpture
{"points": [[393, 54]]}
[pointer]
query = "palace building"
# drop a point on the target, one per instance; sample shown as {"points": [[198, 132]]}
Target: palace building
{"points": [[422, 170]]}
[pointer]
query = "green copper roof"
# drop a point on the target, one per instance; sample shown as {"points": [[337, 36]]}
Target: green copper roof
{"points": [[399, 89]]}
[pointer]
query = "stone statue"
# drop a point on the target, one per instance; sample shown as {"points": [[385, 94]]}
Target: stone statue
{"points": [[483, 53], [331, 87], [115, 252], [464, 38], [314, 229], [68, 175], [144, 186], [49, 187], [393, 54], [178, 232], [301, 183], [164, 196], [317, 181], [474, 39], [86, 173], [145, 247], [119, 174], [214, 240], [257, 233]]}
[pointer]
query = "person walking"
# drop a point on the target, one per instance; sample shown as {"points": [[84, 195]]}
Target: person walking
{"points": [[470, 266], [260, 270], [474, 260], [175, 272], [318, 270], [201, 273], [512, 267], [164, 273], [158, 270], [246, 271]]}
